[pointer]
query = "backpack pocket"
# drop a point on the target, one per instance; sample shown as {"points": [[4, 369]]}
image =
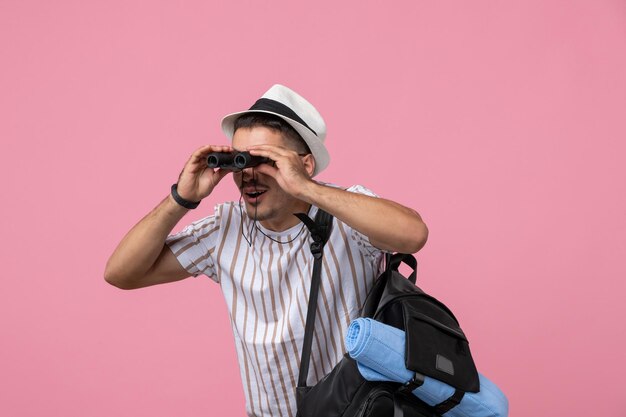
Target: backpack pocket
{"points": [[439, 350]]}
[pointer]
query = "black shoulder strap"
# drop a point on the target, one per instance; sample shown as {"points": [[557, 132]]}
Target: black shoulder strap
{"points": [[320, 232]]}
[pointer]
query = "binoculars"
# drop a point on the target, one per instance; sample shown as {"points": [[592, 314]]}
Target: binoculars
{"points": [[234, 160]]}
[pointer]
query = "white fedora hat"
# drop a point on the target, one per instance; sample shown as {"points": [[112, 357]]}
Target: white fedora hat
{"points": [[295, 110]]}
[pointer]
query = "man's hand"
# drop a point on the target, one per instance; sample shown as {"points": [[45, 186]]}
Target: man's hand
{"points": [[142, 258], [197, 180], [291, 171]]}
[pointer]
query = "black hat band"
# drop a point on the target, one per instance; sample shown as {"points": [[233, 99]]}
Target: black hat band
{"points": [[266, 104]]}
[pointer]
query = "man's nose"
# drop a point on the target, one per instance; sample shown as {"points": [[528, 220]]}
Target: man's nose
{"points": [[248, 174]]}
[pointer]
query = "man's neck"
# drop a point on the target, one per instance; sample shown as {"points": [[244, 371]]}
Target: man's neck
{"points": [[288, 220]]}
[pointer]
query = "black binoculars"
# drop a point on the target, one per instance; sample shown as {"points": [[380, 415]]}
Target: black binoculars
{"points": [[234, 160]]}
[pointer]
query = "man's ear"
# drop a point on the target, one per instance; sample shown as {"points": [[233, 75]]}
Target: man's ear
{"points": [[309, 164]]}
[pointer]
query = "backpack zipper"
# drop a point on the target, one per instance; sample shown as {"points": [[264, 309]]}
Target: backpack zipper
{"points": [[377, 392]]}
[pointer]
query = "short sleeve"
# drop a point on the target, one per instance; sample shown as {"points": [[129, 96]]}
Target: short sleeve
{"points": [[362, 241], [195, 244]]}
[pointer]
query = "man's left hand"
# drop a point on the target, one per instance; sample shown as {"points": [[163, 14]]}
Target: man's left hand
{"points": [[291, 170]]}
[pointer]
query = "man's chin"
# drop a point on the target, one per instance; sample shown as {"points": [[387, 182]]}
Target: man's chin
{"points": [[254, 213]]}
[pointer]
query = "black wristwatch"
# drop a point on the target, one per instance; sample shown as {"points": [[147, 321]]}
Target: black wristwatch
{"points": [[185, 203]]}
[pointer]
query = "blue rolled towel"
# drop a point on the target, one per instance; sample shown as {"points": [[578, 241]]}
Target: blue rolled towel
{"points": [[379, 352]]}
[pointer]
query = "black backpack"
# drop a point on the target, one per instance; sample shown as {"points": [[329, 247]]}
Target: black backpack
{"points": [[432, 333]]}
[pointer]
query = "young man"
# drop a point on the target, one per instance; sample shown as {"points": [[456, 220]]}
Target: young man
{"points": [[258, 251]]}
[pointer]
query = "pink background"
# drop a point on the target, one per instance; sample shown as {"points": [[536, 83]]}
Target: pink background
{"points": [[502, 123]]}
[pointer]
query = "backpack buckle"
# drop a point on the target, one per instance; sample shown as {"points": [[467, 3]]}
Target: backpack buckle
{"points": [[412, 384], [316, 249]]}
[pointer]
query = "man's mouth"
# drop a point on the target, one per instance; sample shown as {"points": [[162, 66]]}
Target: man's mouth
{"points": [[253, 194]]}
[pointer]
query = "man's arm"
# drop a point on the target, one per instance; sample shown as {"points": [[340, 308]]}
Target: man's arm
{"points": [[388, 225], [142, 258]]}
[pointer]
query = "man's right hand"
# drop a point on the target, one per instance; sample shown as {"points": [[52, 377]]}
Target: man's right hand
{"points": [[142, 258], [197, 180]]}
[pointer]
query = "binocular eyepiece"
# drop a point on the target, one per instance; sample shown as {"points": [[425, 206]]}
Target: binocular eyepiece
{"points": [[234, 160]]}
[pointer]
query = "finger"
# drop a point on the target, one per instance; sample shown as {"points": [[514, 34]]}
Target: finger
{"points": [[207, 149], [221, 148], [200, 155], [203, 149], [218, 175], [269, 151]]}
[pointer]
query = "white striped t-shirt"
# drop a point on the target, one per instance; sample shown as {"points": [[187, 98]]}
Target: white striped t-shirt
{"points": [[266, 288]]}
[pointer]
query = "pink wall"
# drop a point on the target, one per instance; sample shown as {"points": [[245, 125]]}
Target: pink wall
{"points": [[502, 123]]}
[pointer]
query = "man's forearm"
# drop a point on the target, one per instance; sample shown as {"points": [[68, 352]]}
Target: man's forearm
{"points": [[388, 225], [140, 248]]}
